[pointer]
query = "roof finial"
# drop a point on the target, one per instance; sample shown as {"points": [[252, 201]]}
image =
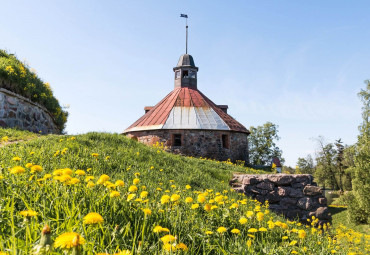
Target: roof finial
{"points": [[186, 17]]}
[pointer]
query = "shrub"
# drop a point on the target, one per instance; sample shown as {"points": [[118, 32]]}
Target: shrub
{"points": [[21, 80]]}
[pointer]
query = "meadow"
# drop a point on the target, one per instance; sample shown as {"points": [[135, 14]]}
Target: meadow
{"points": [[105, 194]]}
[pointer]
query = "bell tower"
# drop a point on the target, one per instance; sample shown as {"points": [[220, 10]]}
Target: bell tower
{"points": [[186, 72]]}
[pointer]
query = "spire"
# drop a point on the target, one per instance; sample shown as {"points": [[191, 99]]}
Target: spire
{"points": [[186, 17]]}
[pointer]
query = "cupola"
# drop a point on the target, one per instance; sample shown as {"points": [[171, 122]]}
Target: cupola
{"points": [[186, 72]]}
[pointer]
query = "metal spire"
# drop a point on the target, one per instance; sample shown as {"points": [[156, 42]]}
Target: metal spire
{"points": [[186, 17]]}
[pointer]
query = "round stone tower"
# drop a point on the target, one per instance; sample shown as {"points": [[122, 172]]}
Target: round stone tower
{"points": [[189, 123]]}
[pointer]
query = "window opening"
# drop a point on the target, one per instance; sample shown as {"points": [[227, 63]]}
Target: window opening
{"points": [[225, 141], [177, 140], [192, 74], [185, 74], [177, 75]]}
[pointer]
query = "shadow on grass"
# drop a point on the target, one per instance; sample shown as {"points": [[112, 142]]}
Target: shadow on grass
{"points": [[335, 210]]}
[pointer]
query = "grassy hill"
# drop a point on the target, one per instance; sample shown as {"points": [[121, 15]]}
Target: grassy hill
{"points": [[105, 194]]}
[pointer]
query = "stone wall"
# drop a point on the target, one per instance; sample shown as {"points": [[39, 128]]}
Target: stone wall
{"points": [[294, 196], [199, 143], [20, 112]]}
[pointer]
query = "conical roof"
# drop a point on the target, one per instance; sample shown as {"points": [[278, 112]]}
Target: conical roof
{"points": [[186, 60], [186, 108]]}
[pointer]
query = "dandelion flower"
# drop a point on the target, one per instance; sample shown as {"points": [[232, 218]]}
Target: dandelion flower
{"points": [[29, 165], [93, 218], [130, 197], [209, 232], [144, 194], [260, 216], [95, 155], [147, 211], [292, 243], [17, 170], [243, 220], [207, 207], [68, 240], [249, 214], [169, 247], [188, 200], [235, 231], [188, 187], [28, 213], [165, 199], [119, 183], [262, 229], [136, 181], [90, 184], [194, 206], [221, 230], [301, 233], [168, 239], [132, 188], [16, 159], [175, 197], [80, 172], [114, 194], [182, 246], [252, 230], [157, 229]]}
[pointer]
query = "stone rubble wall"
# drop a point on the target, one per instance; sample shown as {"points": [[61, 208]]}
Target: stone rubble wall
{"points": [[198, 143], [20, 112], [292, 195]]}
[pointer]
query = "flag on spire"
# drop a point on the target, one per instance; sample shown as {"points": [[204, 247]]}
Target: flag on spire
{"points": [[183, 15]]}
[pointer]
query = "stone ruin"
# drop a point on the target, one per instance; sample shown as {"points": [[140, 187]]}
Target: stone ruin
{"points": [[294, 196]]}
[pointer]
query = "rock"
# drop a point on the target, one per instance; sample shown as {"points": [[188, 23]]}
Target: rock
{"points": [[3, 124], [293, 214], [265, 185], [288, 201], [322, 201], [252, 189], [312, 190], [296, 193], [305, 203], [283, 191], [273, 197], [281, 179], [250, 180], [322, 213], [11, 100]]}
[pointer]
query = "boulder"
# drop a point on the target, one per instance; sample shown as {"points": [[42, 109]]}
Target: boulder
{"points": [[305, 203], [265, 185], [281, 179], [310, 190]]}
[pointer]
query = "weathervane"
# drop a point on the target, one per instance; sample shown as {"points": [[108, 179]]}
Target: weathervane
{"points": [[186, 17]]}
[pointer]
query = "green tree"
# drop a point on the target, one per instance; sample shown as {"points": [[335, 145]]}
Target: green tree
{"points": [[306, 165], [359, 207], [262, 146]]}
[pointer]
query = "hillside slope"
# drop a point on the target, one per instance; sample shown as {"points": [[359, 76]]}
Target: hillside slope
{"points": [[147, 201]]}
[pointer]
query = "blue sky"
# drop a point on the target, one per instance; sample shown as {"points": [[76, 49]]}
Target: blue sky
{"points": [[298, 64]]}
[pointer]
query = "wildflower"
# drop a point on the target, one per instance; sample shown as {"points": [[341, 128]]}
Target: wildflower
{"points": [[243, 220], [93, 218], [114, 194], [235, 231], [107, 157], [68, 240], [144, 194], [67, 171], [188, 187], [95, 155], [271, 224], [28, 165], [88, 178], [201, 198], [175, 197], [169, 247], [262, 229], [132, 188], [249, 243], [28, 213], [17, 170], [157, 229], [294, 252], [119, 183], [168, 239], [249, 214], [147, 211], [301, 233], [221, 230], [32, 152], [80, 172], [90, 184], [189, 200], [102, 179], [292, 243], [58, 172], [165, 199], [47, 176], [124, 252], [36, 168], [16, 159], [136, 181], [194, 206], [207, 207], [182, 246], [219, 199], [130, 197], [209, 232], [260, 216], [252, 230], [74, 181]]}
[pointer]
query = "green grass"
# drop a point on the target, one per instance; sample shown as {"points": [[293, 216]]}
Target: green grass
{"points": [[16, 135], [63, 201]]}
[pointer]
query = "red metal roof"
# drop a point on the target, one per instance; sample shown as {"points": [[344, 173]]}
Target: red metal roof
{"points": [[182, 97]]}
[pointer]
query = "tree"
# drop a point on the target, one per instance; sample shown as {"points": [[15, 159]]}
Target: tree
{"points": [[306, 165], [262, 147], [359, 207]]}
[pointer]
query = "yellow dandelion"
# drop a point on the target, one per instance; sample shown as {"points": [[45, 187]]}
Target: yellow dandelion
{"points": [[221, 230], [208, 232], [90, 184], [260, 216], [144, 194], [114, 194], [119, 183], [132, 188], [165, 199], [175, 197], [95, 155], [252, 230], [169, 247], [201, 198], [243, 220], [189, 200], [250, 214], [262, 229], [188, 187], [301, 233], [207, 207], [168, 239], [235, 231], [182, 246], [67, 171], [68, 240], [147, 211], [16, 159], [17, 170], [194, 206], [29, 165], [28, 213], [80, 172], [93, 218]]}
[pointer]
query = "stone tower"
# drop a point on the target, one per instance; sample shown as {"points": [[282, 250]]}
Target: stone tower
{"points": [[189, 123]]}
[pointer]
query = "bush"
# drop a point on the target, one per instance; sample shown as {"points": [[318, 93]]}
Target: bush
{"points": [[21, 80]]}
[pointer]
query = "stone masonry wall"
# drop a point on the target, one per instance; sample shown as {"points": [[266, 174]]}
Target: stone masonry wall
{"points": [[198, 143], [294, 196], [20, 112]]}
